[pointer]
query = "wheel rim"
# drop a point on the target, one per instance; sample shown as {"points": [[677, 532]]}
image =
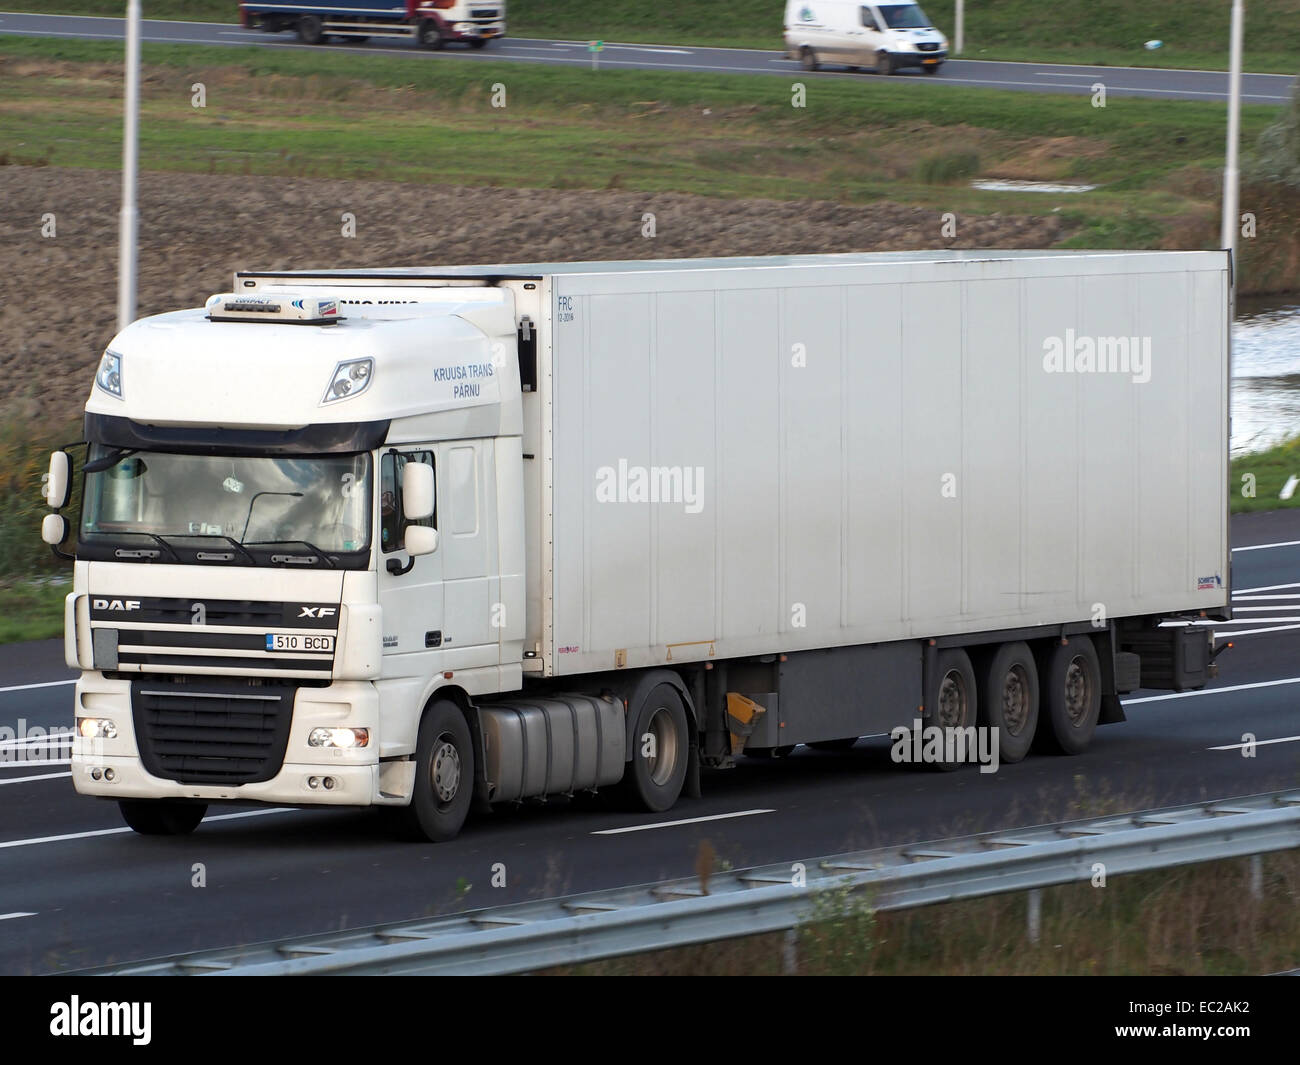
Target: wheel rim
{"points": [[444, 771], [429, 35], [1078, 691], [662, 761], [1015, 700], [953, 700]]}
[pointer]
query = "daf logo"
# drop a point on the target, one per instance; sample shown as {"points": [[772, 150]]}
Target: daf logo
{"points": [[317, 612], [116, 604]]}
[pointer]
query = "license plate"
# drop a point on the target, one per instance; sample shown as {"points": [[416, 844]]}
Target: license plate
{"points": [[929, 60], [283, 641]]}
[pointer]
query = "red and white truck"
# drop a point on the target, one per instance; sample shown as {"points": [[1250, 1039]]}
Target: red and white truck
{"points": [[432, 23]]}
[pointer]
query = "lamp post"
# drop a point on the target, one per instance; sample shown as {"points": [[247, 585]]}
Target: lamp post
{"points": [[1231, 177], [959, 32], [128, 220]]}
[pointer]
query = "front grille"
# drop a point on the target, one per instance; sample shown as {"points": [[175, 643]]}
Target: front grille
{"points": [[212, 731], [929, 46], [483, 12]]}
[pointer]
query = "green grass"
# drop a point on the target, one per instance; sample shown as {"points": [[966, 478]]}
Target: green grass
{"points": [[1257, 478], [1108, 32], [335, 114], [31, 610]]}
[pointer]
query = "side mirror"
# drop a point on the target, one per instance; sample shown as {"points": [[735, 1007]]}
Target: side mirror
{"points": [[58, 482], [54, 529], [417, 492], [420, 539]]}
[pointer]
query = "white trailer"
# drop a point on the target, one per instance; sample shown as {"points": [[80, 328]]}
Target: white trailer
{"points": [[684, 510]]}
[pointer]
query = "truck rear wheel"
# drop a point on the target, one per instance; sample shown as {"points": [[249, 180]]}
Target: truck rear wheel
{"points": [[311, 30], [952, 700], [1009, 699], [162, 817], [444, 776], [808, 60], [653, 779], [429, 35], [1071, 696], [478, 42]]}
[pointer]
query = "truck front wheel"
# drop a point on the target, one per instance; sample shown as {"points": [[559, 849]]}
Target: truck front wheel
{"points": [[311, 30], [1071, 696], [444, 776], [653, 779], [162, 817], [429, 35]]}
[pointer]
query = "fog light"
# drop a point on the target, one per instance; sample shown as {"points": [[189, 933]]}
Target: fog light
{"points": [[329, 783], [95, 774], [313, 782], [96, 728], [109, 775], [338, 737]]}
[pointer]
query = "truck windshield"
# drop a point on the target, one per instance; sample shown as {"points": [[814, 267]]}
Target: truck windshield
{"points": [[298, 504], [904, 17]]}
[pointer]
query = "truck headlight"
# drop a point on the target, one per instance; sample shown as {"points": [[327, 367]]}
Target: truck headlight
{"points": [[109, 375], [351, 378], [346, 738], [96, 728]]}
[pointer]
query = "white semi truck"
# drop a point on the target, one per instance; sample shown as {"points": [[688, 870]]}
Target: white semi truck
{"points": [[431, 538]]}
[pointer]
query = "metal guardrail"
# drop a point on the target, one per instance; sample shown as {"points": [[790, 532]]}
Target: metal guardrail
{"points": [[604, 924]]}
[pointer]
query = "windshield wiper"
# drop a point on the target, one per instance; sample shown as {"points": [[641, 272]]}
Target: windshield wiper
{"points": [[229, 539], [107, 462], [305, 543]]}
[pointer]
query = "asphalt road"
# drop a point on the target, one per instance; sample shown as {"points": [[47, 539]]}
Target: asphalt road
{"points": [[1025, 77], [78, 889]]}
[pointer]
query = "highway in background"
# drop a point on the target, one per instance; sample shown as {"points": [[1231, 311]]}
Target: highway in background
{"points": [[78, 889], [1025, 77]]}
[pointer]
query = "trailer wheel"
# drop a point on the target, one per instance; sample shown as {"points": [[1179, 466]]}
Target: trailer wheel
{"points": [[1008, 699], [1071, 696], [952, 699], [885, 64], [444, 776], [808, 59], [162, 817], [311, 30], [429, 35], [653, 778]]}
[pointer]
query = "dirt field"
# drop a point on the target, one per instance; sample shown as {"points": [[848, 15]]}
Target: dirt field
{"points": [[58, 305]]}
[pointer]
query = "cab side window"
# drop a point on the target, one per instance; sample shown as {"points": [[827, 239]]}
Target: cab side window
{"points": [[392, 521], [868, 19]]}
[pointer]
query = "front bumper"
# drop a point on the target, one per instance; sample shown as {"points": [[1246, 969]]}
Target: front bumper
{"points": [[353, 774], [464, 31], [919, 59]]}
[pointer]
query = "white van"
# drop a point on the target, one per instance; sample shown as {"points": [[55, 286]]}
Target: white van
{"points": [[885, 36]]}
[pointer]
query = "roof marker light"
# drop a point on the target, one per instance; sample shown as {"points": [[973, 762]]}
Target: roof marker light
{"points": [[294, 310]]}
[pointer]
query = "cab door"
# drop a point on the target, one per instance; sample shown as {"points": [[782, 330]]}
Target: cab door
{"points": [[410, 589]]}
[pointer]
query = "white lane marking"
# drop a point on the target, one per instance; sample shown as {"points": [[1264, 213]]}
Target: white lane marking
{"points": [[1212, 691], [674, 824], [43, 684], [119, 831], [1255, 743], [1264, 588], [1047, 74], [1265, 547], [59, 739], [1256, 632], [1264, 610], [11, 916], [43, 776], [36, 765], [1292, 598]]}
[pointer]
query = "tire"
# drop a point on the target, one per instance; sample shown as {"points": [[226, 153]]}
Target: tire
{"points": [[653, 781], [162, 817], [952, 698], [1008, 699], [1071, 696], [808, 60], [429, 36], [834, 745], [885, 64], [478, 42], [444, 776], [311, 30], [932, 69]]}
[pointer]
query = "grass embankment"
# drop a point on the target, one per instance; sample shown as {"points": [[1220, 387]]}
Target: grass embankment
{"points": [[340, 114], [1257, 479], [1111, 32], [1195, 920]]}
